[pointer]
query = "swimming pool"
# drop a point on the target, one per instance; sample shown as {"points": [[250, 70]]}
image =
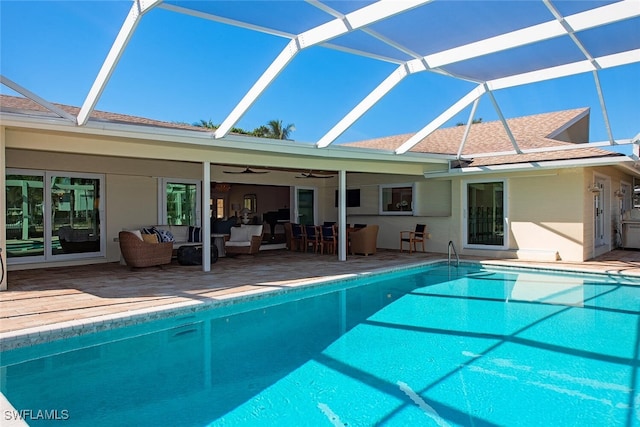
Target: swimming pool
{"points": [[439, 346]]}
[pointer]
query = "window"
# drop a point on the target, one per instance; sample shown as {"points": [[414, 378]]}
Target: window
{"points": [[180, 202], [219, 208], [396, 199]]}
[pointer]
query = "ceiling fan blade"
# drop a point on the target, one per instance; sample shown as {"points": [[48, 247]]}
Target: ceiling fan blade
{"points": [[310, 175], [247, 170]]}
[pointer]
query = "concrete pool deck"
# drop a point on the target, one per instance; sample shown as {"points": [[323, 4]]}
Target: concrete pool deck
{"points": [[41, 300]]}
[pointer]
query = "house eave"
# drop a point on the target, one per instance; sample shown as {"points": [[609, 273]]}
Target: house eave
{"points": [[619, 161], [205, 138]]}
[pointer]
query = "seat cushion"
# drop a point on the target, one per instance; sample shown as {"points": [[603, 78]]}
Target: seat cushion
{"points": [[239, 234], [252, 230]]}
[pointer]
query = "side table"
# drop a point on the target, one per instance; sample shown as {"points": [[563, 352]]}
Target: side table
{"points": [[218, 241]]}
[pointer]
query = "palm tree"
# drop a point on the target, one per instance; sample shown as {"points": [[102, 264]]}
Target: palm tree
{"points": [[206, 124], [277, 131], [261, 132]]}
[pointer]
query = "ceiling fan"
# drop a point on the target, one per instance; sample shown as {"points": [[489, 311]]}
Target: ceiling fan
{"points": [[246, 170], [312, 175]]}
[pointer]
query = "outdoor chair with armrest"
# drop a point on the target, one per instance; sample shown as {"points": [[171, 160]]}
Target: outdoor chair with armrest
{"points": [[138, 253], [419, 235], [364, 241]]}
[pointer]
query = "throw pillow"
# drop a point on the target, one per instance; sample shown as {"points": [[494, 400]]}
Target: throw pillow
{"points": [[166, 236], [195, 234], [152, 230], [150, 238], [239, 234]]}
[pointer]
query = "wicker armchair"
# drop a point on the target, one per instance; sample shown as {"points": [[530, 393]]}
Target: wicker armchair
{"points": [[364, 240], [138, 253]]}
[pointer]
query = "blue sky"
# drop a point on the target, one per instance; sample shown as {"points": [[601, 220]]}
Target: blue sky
{"points": [[183, 69]]}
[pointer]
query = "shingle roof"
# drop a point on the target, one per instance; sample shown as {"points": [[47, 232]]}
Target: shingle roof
{"points": [[19, 104], [530, 132]]}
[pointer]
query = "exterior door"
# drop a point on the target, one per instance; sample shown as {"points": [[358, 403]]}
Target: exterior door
{"points": [[599, 205], [305, 203]]}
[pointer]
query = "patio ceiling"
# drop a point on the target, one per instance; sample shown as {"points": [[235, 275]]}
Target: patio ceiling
{"points": [[491, 44]]}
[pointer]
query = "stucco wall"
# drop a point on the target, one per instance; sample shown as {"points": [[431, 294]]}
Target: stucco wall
{"points": [[546, 213], [549, 211]]}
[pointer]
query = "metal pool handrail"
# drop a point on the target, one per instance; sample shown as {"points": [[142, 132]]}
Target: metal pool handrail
{"points": [[449, 248]]}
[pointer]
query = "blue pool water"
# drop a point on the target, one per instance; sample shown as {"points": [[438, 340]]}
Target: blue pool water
{"points": [[443, 346]]}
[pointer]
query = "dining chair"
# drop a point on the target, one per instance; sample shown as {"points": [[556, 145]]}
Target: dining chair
{"points": [[313, 238], [329, 238], [298, 238]]}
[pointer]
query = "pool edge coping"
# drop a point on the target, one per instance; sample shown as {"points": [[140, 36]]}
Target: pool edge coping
{"points": [[19, 338]]}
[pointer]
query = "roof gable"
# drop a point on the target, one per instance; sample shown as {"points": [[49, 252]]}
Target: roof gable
{"points": [[546, 130]]}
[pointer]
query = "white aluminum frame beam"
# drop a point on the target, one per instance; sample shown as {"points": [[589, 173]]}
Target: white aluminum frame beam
{"points": [[571, 33], [579, 67], [468, 128], [561, 26], [352, 21], [138, 9], [461, 104], [369, 101], [35, 98], [503, 120], [593, 18]]}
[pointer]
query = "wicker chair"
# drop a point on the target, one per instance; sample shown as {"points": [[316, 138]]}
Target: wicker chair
{"points": [[364, 241], [138, 253]]}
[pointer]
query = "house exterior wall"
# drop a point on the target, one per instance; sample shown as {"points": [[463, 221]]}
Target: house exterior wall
{"points": [[550, 211], [545, 213]]}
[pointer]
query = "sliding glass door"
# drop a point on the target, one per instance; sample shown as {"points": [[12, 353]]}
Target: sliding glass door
{"points": [[485, 214], [52, 215]]}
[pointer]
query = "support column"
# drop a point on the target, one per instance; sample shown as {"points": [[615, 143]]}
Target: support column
{"points": [[342, 215], [3, 210], [205, 225]]}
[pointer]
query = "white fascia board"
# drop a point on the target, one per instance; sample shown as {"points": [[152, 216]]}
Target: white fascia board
{"points": [[567, 125], [235, 142], [441, 119], [369, 101], [548, 149], [533, 166], [579, 22], [138, 9], [35, 98]]}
